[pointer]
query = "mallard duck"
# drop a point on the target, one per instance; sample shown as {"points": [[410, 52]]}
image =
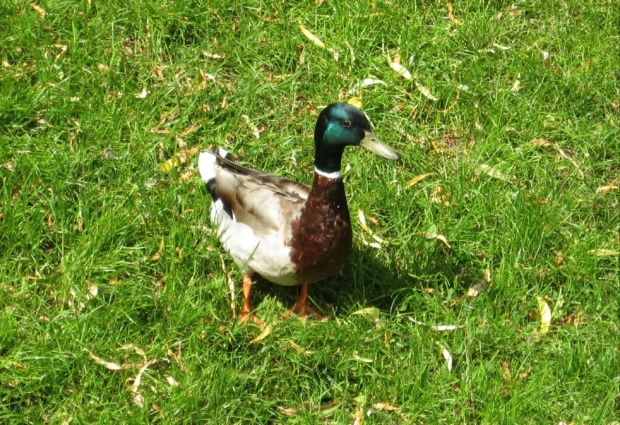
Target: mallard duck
{"points": [[287, 232]]}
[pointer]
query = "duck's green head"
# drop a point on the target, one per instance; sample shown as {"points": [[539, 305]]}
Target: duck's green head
{"points": [[340, 125]]}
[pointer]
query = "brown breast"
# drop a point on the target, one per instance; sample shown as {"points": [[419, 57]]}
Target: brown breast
{"points": [[321, 237]]}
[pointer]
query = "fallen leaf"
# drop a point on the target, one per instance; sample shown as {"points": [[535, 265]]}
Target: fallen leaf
{"points": [[92, 290], [177, 358], [231, 287], [63, 418], [371, 244], [191, 128], [544, 314], [404, 72], [157, 255], [487, 275], [579, 317], [372, 312], [384, 406], [136, 350], [39, 9], [378, 239], [323, 407], [138, 379], [355, 101], [157, 409], [418, 178], [478, 289], [546, 143], [159, 71], [525, 374], [604, 252], [429, 235], [575, 318], [572, 161], [439, 197], [493, 172], [396, 66], [362, 218], [18, 365], [425, 91], [358, 416], [367, 82], [372, 81], [317, 41], [138, 400], [451, 14], [171, 381], [178, 159], [506, 367], [314, 39], [447, 356], [516, 86], [559, 258], [264, 334], [365, 227], [159, 284], [361, 359], [203, 80], [288, 411], [541, 142], [499, 46], [80, 221], [212, 55], [295, 346], [351, 51], [187, 175], [254, 129], [439, 328], [609, 187], [99, 360]]}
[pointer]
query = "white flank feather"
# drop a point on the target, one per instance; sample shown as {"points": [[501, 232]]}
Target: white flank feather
{"points": [[206, 162]]}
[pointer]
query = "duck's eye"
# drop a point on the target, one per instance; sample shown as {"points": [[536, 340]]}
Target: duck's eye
{"points": [[346, 123]]}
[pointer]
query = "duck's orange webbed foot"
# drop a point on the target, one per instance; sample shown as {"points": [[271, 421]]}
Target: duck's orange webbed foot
{"points": [[246, 317], [302, 308], [246, 311]]}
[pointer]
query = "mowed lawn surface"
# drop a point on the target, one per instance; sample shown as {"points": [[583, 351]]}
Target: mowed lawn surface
{"points": [[483, 287]]}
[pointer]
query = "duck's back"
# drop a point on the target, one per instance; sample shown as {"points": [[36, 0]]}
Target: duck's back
{"points": [[253, 212]]}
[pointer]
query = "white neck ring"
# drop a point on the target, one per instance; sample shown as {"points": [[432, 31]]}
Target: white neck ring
{"points": [[334, 175]]}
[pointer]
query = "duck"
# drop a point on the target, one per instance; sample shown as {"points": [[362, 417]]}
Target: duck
{"points": [[290, 233]]}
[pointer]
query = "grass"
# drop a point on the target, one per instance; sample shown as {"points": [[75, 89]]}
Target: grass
{"points": [[85, 204]]}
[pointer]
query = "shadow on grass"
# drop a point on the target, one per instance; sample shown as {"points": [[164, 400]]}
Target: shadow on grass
{"points": [[368, 281]]}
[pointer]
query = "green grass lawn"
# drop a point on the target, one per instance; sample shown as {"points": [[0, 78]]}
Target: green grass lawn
{"points": [[107, 252]]}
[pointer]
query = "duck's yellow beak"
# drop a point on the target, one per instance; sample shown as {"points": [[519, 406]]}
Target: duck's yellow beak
{"points": [[374, 144]]}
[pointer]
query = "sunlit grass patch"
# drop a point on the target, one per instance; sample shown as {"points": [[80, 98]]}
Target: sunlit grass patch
{"points": [[483, 287]]}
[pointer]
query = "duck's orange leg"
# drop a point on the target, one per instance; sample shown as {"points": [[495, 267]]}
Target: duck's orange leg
{"points": [[302, 308], [246, 310]]}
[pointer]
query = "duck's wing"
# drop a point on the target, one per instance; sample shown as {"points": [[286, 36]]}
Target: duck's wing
{"points": [[264, 202]]}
